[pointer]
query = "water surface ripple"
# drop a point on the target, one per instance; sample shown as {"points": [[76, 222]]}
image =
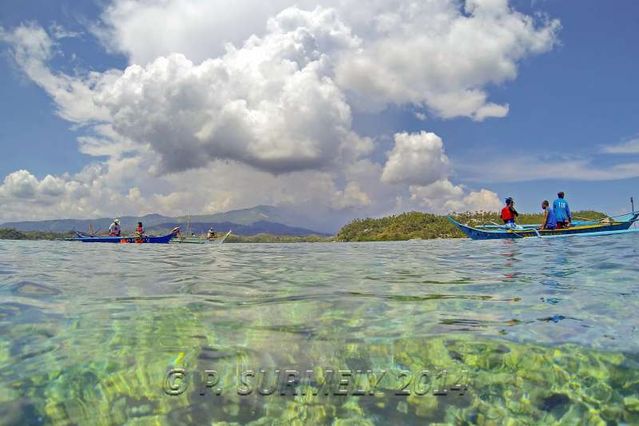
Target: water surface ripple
{"points": [[544, 331]]}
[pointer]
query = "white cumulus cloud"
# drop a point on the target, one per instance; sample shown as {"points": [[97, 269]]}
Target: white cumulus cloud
{"points": [[444, 197], [416, 159], [441, 56]]}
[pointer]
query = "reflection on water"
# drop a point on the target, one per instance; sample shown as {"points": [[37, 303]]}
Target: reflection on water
{"points": [[534, 331]]}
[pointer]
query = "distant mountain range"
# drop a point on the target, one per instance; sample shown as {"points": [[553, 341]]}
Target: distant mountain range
{"points": [[257, 220]]}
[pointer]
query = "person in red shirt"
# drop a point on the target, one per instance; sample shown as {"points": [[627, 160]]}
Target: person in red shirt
{"points": [[508, 213]]}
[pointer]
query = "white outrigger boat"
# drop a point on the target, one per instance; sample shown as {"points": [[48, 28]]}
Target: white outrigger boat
{"points": [[201, 240]]}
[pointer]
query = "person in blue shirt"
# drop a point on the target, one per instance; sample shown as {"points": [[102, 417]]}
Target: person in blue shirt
{"points": [[562, 211], [550, 221]]}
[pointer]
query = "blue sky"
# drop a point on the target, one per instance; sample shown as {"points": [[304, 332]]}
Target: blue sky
{"points": [[565, 105], [33, 135]]}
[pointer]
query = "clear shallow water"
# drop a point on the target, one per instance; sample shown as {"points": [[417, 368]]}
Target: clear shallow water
{"points": [[535, 331]]}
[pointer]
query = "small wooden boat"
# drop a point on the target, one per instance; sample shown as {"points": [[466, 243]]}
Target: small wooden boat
{"points": [[619, 225], [145, 239], [196, 240]]}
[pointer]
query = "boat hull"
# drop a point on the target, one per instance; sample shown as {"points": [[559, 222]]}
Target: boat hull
{"points": [[584, 230], [164, 239]]}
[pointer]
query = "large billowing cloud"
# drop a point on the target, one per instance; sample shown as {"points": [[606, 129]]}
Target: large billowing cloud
{"points": [[270, 104], [439, 54], [232, 104], [416, 159]]}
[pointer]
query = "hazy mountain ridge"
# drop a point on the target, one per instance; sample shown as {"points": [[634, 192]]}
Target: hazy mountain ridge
{"points": [[242, 217], [257, 220], [261, 227]]}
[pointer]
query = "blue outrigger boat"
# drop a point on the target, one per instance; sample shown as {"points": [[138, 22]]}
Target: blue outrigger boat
{"points": [[145, 239], [609, 226]]}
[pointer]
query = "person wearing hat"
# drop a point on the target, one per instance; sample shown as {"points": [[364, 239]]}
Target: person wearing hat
{"points": [[509, 214], [211, 234], [114, 229], [562, 211]]}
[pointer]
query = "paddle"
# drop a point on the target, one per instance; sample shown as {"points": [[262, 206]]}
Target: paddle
{"points": [[225, 237]]}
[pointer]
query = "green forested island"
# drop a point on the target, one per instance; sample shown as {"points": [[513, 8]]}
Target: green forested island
{"points": [[426, 226], [12, 234]]}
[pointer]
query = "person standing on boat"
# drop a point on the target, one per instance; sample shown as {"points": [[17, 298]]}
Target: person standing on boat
{"points": [[114, 229], [550, 220], [562, 211], [509, 214]]}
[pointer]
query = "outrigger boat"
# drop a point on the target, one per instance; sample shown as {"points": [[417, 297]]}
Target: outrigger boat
{"points": [[196, 240], [607, 226], [145, 239], [201, 239]]}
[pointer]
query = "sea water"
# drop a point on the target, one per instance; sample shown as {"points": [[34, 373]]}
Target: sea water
{"points": [[450, 331]]}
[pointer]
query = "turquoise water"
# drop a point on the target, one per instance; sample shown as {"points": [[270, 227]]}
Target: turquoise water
{"points": [[530, 332]]}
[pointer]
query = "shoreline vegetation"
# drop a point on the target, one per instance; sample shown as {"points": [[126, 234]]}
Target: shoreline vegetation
{"points": [[427, 226], [402, 227], [12, 234]]}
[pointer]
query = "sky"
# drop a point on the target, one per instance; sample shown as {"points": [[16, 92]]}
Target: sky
{"points": [[331, 107]]}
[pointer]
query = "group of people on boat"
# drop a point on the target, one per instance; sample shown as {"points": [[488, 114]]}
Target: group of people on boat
{"points": [[115, 230], [556, 217]]}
